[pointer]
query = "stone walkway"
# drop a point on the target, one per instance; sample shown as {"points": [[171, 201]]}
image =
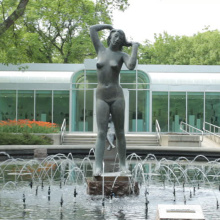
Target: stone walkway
{"points": [[208, 148], [209, 143]]}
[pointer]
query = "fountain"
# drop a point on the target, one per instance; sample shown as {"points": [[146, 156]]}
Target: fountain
{"points": [[56, 188]]}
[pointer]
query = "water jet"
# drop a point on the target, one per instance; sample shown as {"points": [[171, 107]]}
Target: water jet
{"points": [[158, 181]]}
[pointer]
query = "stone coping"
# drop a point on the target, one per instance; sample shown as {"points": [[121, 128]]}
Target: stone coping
{"points": [[84, 147]]}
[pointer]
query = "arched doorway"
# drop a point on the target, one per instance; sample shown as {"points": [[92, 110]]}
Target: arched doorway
{"points": [[136, 87]]}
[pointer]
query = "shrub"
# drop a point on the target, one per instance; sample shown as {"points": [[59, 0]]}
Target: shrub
{"points": [[24, 139], [27, 126]]}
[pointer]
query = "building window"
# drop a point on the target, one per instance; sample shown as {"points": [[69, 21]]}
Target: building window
{"points": [[195, 103], [89, 110], [61, 107], [77, 107], [7, 104], [177, 110], [25, 107], [132, 111], [137, 84], [83, 88], [160, 110], [212, 108], [43, 106]]}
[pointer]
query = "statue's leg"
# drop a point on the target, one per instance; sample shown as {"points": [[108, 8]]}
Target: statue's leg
{"points": [[102, 115], [117, 110]]}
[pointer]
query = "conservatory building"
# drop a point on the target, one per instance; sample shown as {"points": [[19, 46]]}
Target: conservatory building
{"points": [[168, 93]]}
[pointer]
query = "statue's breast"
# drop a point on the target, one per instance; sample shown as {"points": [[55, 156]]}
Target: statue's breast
{"points": [[112, 63], [99, 65], [108, 59]]}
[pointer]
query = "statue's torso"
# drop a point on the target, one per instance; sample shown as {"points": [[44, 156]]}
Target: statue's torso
{"points": [[108, 68]]}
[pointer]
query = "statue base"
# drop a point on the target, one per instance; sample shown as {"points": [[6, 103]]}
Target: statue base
{"points": [[120, 185]]}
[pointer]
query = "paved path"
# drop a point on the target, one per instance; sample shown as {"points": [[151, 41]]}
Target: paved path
{"points": [[208, 148]]}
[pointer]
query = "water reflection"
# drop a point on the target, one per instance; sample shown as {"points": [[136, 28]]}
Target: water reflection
{"points": [[55, 188]]}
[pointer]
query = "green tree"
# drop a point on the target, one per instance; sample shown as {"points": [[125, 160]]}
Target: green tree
{"points": [[200, 49], [56, 31], [6, 8]]}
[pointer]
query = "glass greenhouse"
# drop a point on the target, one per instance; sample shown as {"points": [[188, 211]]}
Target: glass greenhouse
{"points": [[168, 93]]}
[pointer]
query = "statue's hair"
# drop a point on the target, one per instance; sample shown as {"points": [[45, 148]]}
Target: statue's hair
{"points": [[124, 43]]}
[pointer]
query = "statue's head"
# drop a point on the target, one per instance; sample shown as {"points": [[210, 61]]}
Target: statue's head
{"points": [[122, 39]]}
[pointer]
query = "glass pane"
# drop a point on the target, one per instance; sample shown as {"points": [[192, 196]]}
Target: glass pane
{"points": [[43, 106], [91, 86], [61, 107], [91, 77], [177, 110], [132, 110], [77, 110], [89, 111], [160, 110], [195, 109], [78, 77], [79, 85], [143, 111], [128, 77], [212, 108], [128, 86], [7, 104], [143, 86], [142, 77], [26, 104], [78, 80]]}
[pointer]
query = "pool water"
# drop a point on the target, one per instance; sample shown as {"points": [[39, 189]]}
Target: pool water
{"points": [[84, 206]]}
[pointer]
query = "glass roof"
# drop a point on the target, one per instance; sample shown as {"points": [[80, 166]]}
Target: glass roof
{"points": [[158, 74], [182, 74], [35, 77], [184, 78]]}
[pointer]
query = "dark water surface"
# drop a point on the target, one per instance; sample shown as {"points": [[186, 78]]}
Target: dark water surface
{"points": [[90, 207]]}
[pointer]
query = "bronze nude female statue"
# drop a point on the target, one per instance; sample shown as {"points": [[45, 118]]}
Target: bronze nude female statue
{"points": [[109, 94]]}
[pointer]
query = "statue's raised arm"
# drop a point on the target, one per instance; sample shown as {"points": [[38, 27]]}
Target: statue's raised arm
{"points": [[130, 61], [95, 37]]}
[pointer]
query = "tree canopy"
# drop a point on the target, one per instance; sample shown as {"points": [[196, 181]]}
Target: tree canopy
{"points": [[45, 31], [201, 49], [53, 31]]}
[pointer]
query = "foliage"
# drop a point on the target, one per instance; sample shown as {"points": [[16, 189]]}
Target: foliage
{"points": [[200, 49], [15, 15], [27, 126], [24, 139], [54, 31]]}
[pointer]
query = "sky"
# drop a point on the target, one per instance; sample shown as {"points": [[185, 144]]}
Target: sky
{"points": [[144, 18]]}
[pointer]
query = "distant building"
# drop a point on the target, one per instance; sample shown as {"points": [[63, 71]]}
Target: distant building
{"points": [[168, 93]]}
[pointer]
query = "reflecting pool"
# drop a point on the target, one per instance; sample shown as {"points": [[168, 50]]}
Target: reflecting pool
{"points": [[55, 188]]}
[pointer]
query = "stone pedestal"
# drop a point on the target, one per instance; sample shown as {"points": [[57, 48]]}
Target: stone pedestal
{"points": [[113, 182], [182, 212]]}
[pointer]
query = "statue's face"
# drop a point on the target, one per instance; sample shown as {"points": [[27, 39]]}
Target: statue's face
{"points": [[117, 38]]}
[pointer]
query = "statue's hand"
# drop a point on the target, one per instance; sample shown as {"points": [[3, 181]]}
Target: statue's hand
{"points": [[135, 44]]}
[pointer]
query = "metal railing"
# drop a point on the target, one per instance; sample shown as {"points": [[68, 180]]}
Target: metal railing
{"points": [[212, 129], [189, 129], [157, 127], [62, 131]]}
